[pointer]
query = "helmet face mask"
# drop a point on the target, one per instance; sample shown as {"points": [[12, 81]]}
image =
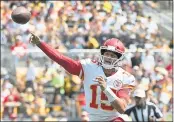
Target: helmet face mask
{"points": [[110, 63], [115, 46]]}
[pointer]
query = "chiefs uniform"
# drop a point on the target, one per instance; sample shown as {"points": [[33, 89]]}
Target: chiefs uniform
{"points": [[121, 82], [97, 106]]}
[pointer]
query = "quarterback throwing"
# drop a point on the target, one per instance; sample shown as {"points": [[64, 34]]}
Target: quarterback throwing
{"points": [[107, 86]]}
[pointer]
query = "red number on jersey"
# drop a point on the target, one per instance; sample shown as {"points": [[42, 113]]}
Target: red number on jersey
{"points": [[93, 104], [94, 96], [104, 97]]}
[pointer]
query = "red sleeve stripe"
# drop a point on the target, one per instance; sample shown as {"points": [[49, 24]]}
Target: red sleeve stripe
{"points": [[128, 87], [81, 75]]}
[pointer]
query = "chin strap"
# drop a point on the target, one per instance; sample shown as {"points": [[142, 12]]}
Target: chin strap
{"points": [[105, 66]]}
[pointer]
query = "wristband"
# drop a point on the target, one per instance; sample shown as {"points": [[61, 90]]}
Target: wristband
{"points": [[110, 94]]}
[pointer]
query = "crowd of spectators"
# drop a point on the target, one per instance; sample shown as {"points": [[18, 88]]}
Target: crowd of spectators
{"points": [[85, 24], [80, 25]]}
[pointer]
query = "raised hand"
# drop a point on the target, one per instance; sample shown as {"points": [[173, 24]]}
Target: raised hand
{"points": [[101, 82], [34, 39]]}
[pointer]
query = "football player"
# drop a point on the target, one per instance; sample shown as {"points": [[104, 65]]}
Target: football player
{"points": [[107, 86]]}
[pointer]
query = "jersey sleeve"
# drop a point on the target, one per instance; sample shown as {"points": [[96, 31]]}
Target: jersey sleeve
{"points": [[72, 66], [157, 112], [86, 68], [127, 88], [130, 83], [123, 93]]}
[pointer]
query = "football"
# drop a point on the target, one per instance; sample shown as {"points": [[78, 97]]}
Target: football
{"points": [[21, 15]]}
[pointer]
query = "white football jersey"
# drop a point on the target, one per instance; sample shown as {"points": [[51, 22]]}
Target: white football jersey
{"points": [[97, 105]]}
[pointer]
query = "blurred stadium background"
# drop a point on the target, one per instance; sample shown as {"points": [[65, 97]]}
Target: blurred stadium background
{"points": [[35, 88]]}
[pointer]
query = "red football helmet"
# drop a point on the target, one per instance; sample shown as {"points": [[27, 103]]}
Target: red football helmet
{"points": [[112, 45]]}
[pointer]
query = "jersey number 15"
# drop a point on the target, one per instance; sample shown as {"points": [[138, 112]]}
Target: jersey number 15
{"points": [[93, 103]]}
